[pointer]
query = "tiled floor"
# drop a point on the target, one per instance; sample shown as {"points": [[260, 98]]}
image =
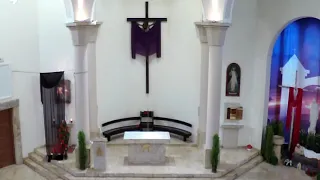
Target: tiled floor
{"points": [[261, 172], [19, 172]]}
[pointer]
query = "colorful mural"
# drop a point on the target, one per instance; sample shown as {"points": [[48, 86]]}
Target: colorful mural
{"points": [[295, 63]]}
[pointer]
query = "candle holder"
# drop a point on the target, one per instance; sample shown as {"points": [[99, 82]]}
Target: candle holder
{"points": [[80, 10], [218, 10]]}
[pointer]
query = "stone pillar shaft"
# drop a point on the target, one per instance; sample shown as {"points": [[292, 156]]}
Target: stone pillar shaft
{"points": [[215, 34], [84, 35], [203, 86], [214, 94], [93, 104]]}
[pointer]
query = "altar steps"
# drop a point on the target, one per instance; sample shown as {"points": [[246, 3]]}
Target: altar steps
{"points": [[55, 170], [40, 170]]}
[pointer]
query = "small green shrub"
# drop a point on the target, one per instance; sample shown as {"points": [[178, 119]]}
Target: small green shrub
{"points": [[82, 150], [277, 127], [311, 142], [303, 138], [274, 160], [215, 153], [268, 151], [318, 176]]}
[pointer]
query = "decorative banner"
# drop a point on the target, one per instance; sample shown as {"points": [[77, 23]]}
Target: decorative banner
{"points": [[296, 63]]}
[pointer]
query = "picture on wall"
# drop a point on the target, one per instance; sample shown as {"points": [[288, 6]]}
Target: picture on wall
{"points": [[64, 92], [233, 76]]}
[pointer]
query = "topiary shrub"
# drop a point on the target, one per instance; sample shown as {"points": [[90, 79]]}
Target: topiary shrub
{"points": [[277, 127], [311, 142], [215, 153], [274, 160], [303, 138], [82, 150], [268, 151]]}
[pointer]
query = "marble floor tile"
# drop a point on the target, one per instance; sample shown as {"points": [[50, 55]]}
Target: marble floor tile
{"points": [[266, 171], [19, 172], [263, 171]]}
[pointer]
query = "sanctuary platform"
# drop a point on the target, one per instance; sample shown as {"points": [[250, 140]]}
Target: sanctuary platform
{"points": [[183, 162]]}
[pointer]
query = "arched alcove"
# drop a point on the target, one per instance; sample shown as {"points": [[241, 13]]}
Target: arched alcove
{"points": [[295, 62]]}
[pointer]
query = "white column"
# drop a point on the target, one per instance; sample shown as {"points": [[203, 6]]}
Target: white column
{"points": [[203, 85], [82, 34], [93, 104], [215, 36]]}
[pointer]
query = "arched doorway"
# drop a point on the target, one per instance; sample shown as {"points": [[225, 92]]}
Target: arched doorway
{"points": [[295, 62]]}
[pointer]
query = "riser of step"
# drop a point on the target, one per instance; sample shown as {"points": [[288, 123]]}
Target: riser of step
{"points": [[49, 166], [40, 170], [244, 168]]}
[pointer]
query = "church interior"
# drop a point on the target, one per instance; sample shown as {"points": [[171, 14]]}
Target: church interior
{"points": [[159, 89]]}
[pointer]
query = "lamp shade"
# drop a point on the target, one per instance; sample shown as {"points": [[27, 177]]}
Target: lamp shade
{"points": [[218, 10], [79, 10]]}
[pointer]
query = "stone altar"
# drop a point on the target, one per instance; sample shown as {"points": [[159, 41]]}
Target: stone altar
{"points": [[147, 147]]}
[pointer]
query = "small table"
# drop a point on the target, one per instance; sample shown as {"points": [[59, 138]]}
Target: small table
{"points": [[231, 134], [146, 147]]}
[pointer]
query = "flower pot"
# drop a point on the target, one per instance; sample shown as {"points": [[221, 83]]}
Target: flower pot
{"points": [[278, 141], [80, 10]]}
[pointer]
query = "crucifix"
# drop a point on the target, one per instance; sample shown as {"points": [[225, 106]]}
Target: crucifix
{"points": [[146, 38]]}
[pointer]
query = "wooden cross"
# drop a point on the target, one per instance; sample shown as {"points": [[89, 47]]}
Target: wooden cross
{"points": [[145, 26]]}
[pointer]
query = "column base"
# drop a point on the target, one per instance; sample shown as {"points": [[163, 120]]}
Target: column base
{"points": [[201, 139], [207, 159]]}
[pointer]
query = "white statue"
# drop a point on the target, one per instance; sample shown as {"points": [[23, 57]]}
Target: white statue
{"points": [[314, 114], [233, 84]]}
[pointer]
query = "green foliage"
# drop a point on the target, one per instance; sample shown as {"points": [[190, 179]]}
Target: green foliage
{"points": [[277, 127], [318, 176], [310, 140], [215, 153], [303, 138], [268, 151], [274, 160], [82, 150]]}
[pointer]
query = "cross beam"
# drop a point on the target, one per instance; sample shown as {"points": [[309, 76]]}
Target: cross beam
{"points": [[146, 20]]}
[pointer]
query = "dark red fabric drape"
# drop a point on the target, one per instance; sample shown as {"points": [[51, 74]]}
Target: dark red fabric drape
{"points": [[294, 103]]}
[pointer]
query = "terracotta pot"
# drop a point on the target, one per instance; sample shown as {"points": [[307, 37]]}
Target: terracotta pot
{"points": [[278, 140]]}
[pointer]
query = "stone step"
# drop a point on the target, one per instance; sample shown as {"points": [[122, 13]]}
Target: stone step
{"points": [[40, 170], [243, 168], [49, 166]]}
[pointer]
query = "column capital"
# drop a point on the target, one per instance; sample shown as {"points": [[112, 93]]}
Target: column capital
{"points": [[83, 32], [215, 32], [201, 32]]}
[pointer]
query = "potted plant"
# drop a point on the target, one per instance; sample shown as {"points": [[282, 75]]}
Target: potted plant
{"points": [[215, 153], [278, 139], [269, 154], [83, 156], [64, 138]]}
